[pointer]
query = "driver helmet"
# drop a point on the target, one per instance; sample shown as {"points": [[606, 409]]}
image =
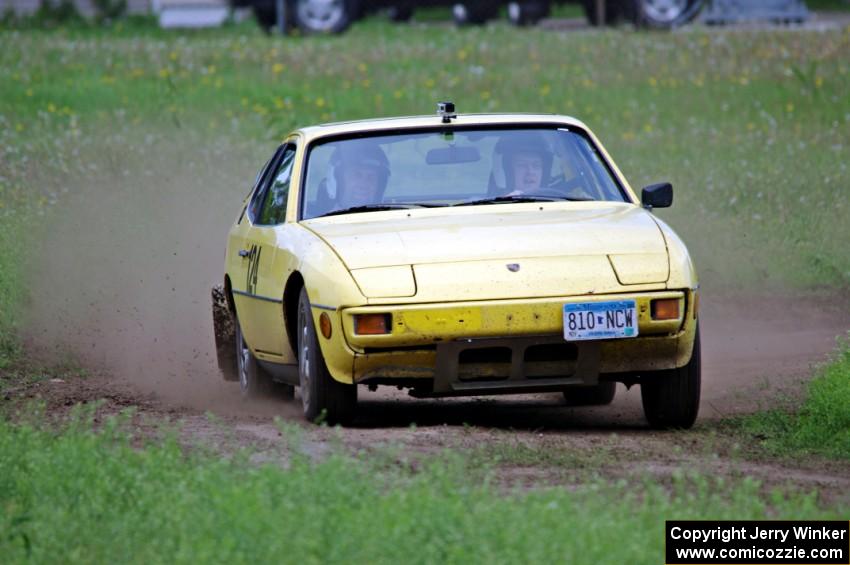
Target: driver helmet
{"points": [[363, 153], [513, 144]]}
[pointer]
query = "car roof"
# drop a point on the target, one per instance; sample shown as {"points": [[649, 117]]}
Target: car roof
{"points": [[418, 122]]}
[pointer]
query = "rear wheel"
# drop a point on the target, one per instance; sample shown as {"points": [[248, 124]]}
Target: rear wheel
{"points": [[671, 398], [322, 397], [598, 395], [224, 331], [253, 380]]}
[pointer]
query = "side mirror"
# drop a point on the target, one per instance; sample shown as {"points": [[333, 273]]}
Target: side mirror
{"points": [[657, 195]]}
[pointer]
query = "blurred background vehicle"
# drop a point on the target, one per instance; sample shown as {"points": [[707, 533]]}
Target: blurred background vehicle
{"points": [[335, 16]]}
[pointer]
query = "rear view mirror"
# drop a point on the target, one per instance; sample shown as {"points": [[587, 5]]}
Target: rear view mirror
{"points": [[453, 155], [657, 195]]}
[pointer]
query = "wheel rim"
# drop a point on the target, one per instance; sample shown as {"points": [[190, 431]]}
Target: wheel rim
{"points": [[243, 357], [460, 13], [304, 358], [321, 15], [665, 11], [514, 12]]}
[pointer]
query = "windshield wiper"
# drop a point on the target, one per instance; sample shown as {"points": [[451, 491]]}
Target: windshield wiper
{"points": [[369, 208], [521, 198]]}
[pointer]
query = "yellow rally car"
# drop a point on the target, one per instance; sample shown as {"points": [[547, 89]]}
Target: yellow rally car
{"points": [[457, 255]]}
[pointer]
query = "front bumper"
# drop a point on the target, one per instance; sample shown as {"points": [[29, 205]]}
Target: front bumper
{"points": [[507, 345]]}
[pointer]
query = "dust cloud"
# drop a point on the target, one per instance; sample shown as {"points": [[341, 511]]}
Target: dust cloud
{"points": [[120, 281]]}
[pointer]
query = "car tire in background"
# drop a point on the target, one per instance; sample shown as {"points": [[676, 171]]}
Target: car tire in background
{"points": [[671, 398], [598, 395], [324, 16], [475, 12], [400, 12], [323, 398], [660, 14], [527, 13]]}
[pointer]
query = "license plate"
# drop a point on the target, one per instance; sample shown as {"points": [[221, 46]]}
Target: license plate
{"points": [[600, 320]]}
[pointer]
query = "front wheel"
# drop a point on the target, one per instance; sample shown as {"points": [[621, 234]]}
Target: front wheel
{"points": [[671, 398], [322, 397]]}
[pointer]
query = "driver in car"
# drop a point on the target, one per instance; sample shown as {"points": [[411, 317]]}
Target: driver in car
{"points": [[526, 169], [526, 161], [359, 175]]}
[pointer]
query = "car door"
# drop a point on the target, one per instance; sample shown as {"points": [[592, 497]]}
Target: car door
{"points": [[267, 250], [237, 260]]}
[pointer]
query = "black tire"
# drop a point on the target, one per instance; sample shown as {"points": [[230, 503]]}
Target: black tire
{"points": [[671, 398], [476, 12], [400, 13], [315, 17], [613, 11], [527, 13], [265, 16], [224, 331], [254, 382], [649, 14], [323, 398], [599, 395]]}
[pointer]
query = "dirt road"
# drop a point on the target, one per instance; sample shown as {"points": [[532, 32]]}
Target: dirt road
{"points": [[758, 351]]}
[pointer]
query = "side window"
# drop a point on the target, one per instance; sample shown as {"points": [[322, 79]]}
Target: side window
{"points": [[259, 190], [276, 194]]}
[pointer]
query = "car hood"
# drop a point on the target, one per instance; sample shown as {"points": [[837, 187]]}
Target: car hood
{"points": [[594, 246]]}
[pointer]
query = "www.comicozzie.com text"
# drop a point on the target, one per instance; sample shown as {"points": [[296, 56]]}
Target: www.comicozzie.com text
{"points": [[757, 533]]}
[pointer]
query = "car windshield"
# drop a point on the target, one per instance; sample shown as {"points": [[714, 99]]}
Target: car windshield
{"points": [[449, 168]]}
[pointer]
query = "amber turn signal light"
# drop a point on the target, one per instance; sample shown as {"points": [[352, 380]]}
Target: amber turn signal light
{"points": [[665, 309], [372, 324], [325, 325]]}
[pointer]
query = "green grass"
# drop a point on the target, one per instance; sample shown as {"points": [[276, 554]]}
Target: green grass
{"points": [[11, 282], [821, 425], [80, 496]]}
